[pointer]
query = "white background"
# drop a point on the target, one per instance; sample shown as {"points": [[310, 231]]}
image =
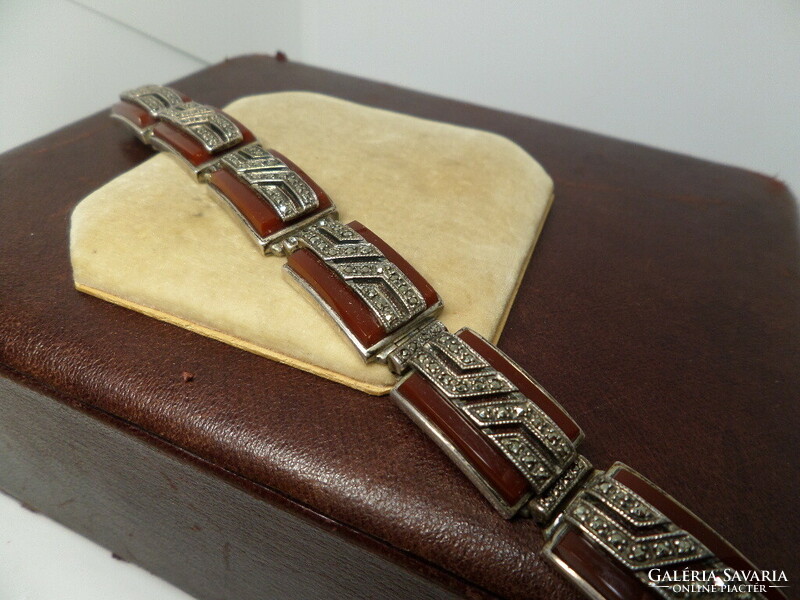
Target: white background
{"points": [[715, 79]]}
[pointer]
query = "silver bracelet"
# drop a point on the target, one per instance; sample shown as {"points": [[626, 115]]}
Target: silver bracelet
{"points": [[606, 531]]}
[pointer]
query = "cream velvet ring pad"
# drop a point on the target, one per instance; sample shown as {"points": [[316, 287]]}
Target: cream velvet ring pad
{"points": [[465, 207]]}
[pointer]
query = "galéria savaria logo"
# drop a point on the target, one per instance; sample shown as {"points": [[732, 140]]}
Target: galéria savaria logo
{"points": [[723, 581]]}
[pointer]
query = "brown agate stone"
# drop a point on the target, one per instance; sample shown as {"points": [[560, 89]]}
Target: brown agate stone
{"points": [[484, 456], [595, 567], [262, 218], [481, 453], [687, 521], [352, 310]]}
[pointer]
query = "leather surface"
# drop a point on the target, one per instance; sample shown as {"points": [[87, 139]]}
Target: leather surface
{"points": [[661, 309], [206, 530]]}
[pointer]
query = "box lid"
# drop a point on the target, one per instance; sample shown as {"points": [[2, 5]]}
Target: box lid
{"points": [[661, 308]]}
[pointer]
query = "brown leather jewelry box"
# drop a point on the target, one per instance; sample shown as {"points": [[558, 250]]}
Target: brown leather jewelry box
{"points": [[661, 307]]}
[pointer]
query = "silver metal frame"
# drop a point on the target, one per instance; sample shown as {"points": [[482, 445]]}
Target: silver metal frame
{"points": [[211, 128], [143, 95], [547, 552], [267, 175]]}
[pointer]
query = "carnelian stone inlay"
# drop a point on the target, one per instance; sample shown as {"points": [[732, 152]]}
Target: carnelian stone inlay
{"points": [[186, 146], [684, 519], [351, 309], [253, 207], [484, 456]]}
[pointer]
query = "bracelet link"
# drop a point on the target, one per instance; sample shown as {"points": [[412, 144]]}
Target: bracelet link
{"points": [[153, 98], [502, 429], [288, 194], [196, 133], [205, 124], [620, 528], [139, 108], [199, 135], [370, 291]]}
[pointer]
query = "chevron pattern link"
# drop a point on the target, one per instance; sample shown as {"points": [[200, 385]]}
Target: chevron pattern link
{"points": [[278, 185], [641, 537], [514, 423], [152, 98], [630, 529], [385, 289], [204, 123]]}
